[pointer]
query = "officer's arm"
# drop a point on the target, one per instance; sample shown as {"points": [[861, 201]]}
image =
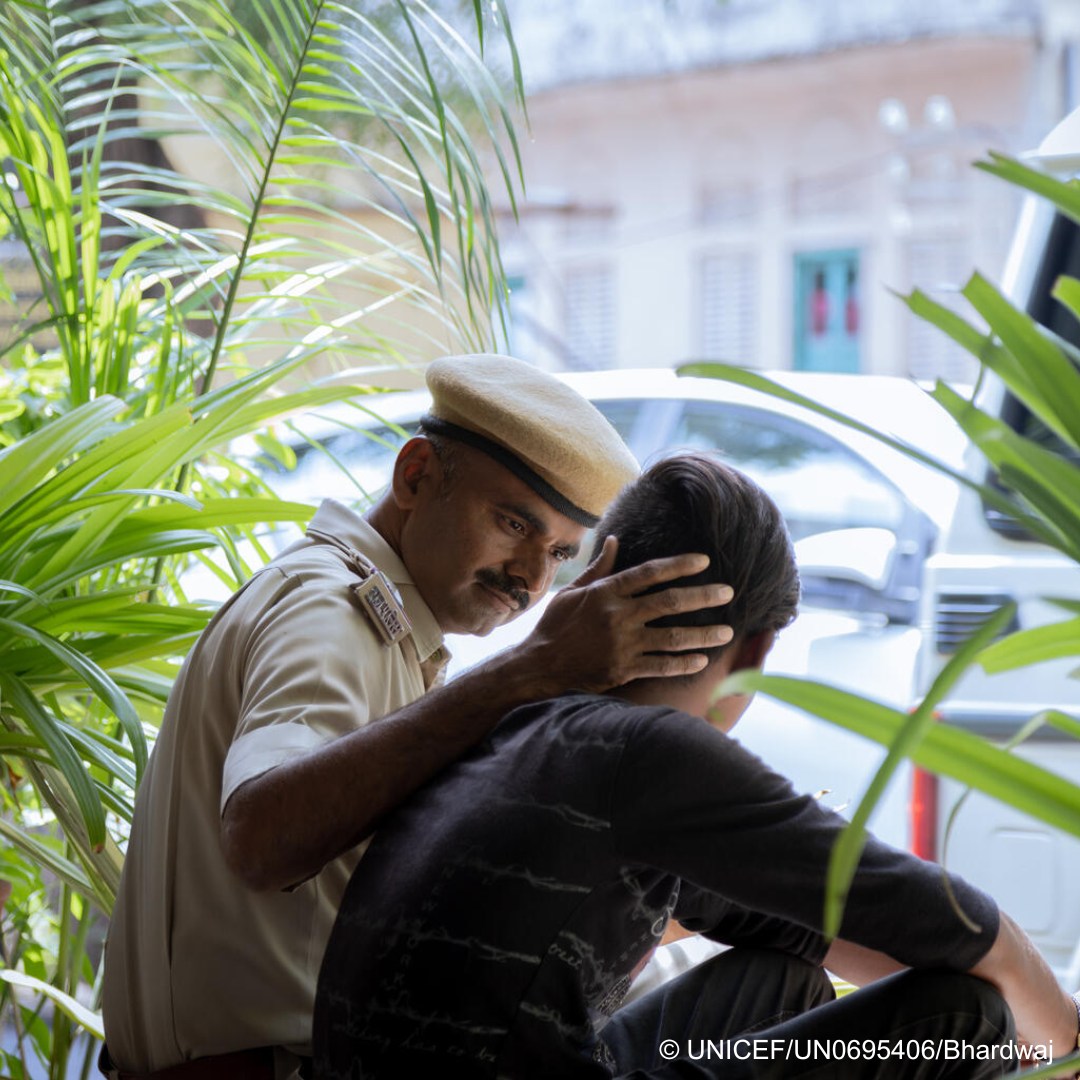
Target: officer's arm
{"points": [[284, 825]]}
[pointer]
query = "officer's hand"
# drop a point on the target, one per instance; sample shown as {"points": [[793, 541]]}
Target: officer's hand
{"points": [[593, 635]]}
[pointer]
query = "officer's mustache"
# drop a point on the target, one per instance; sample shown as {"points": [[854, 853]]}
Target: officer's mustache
{"points": [[505, 584]]}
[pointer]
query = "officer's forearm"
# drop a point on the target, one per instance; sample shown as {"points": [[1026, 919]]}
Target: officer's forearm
{"points": [[285, 825]]}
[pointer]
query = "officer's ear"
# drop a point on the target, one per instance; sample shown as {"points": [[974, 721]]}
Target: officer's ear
{"points": [[417, 472]]}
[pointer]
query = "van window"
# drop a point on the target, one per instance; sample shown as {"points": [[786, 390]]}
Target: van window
{"points": [[1061, 256]]}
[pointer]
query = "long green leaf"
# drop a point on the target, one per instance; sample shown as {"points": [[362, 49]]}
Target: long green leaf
{"points": [[1032, 646], [944, 750], [27, 462], [756, 381], [102, 862], [95, 678], [65, 870], [86, 1018], [984, 347], [961, 409], [1048, 482], [1065, 195], [1052, 384], [17, 697], [844, 858]]}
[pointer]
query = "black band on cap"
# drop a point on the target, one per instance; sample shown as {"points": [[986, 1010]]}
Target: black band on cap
{"points": [[510, 461]]}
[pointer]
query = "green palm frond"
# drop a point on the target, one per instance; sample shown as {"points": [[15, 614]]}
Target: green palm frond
{"points": [[347, 178], [212, 197], [1039, 489]]}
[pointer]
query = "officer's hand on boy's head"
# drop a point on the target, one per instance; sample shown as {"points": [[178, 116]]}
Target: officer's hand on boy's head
{"points": [[593, 635]]}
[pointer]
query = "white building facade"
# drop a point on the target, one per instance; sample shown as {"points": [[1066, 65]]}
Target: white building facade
{"points": [[749, 181]]}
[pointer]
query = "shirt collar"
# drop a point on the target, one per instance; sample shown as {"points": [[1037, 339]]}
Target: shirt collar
{"points": [[351, 529]]}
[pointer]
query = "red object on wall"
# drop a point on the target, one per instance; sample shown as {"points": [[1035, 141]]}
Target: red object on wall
{"points": [[923, 811], [851, 315], [819, 306]]}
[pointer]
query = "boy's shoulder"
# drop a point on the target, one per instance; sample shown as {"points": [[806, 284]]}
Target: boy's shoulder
{"points": [[586, 720], [578, 708]]}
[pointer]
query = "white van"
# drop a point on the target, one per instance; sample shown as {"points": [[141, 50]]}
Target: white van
{"points": [[983, 560]]}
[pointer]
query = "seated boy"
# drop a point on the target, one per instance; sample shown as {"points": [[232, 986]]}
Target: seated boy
{"points": [[502, 910]]}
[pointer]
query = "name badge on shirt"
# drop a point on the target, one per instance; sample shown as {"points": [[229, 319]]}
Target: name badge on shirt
{"points": [[378, 600]]}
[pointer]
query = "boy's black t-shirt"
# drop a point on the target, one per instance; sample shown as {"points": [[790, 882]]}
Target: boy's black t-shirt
{"points": [[496, 916]]}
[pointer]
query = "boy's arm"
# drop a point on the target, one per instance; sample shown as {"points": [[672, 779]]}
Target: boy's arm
{"points": [[859, 965], [1044, 1013], [722, 920]]}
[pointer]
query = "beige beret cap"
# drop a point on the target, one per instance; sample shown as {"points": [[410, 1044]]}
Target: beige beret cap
{"points": [[548, 435]]}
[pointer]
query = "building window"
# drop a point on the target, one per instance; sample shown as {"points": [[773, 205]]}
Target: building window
{"points": [[729, 307], [938, 267], [589, 318], [521, 323], [828, 316]]}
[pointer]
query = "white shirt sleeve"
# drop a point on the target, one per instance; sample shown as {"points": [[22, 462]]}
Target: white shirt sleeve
{"points": [[311, 670]]}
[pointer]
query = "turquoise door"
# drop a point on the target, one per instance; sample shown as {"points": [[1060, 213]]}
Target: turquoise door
{"points": [[828, 311]]}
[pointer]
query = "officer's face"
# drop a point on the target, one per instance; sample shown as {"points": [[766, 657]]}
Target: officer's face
{"points": [[481, 546]]}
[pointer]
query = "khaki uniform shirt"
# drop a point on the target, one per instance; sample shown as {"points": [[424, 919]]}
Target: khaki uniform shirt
{"points": [[196, 963]]}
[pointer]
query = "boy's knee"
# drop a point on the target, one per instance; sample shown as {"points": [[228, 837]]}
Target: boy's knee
{"points": [[977, 1010]]}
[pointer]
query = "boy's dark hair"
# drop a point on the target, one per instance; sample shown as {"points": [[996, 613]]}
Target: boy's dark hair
{"points": [[692, 502]]}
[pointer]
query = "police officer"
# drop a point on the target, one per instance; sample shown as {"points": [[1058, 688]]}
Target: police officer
{"points": [[312, 705]]}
